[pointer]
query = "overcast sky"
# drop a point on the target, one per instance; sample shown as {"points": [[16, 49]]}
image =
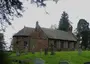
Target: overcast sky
{"points": [[76, 9]]}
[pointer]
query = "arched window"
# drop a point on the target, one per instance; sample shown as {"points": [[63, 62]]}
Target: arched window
{"points": [[25, 43]]}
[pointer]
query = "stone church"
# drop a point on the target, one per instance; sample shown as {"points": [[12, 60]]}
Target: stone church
{"points": [[40, 38]]}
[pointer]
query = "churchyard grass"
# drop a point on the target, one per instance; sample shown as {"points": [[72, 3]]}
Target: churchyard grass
{"points": [[71, 56]]}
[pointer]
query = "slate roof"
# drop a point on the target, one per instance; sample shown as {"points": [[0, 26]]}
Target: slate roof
{"points": [[26, 31], [51, 33], [59, 34]]}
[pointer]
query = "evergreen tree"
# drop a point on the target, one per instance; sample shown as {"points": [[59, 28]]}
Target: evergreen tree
{"points": [[64, 22], [82, 29], [8, 10], [84, 39], [3, 55]]}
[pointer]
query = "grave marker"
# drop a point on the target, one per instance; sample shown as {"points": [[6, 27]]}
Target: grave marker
{"points": [[87, 63], [39, 61], [63, 62]]}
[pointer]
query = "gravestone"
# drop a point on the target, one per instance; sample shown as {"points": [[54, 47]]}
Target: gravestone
{"points": [[52, 49], [63, 62], [14, 60], [46, 51], [26, 49], [20, 62], [87, 63], [40, 52], [79, 51], [17, 53], [33, 52], [39, 61]]}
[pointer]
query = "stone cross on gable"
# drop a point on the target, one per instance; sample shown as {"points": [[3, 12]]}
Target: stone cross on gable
{"points": [[37, 26]]}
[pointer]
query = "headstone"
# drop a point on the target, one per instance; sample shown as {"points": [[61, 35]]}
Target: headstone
{"points": [[20, 62], [79, 51], [14, 60], [17, 53], [87, 63], [39, 61], [26, 61], [26, 49], [63, 62], [46, 51], [52, 49], [40, 52], [33, 52]]}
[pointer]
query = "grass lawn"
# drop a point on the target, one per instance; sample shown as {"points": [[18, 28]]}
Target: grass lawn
{"points": [[71, 56]]}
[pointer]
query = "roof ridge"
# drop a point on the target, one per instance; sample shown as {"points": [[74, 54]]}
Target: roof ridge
{"points": [[28, 27], [54, 29], [24, 31]]}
